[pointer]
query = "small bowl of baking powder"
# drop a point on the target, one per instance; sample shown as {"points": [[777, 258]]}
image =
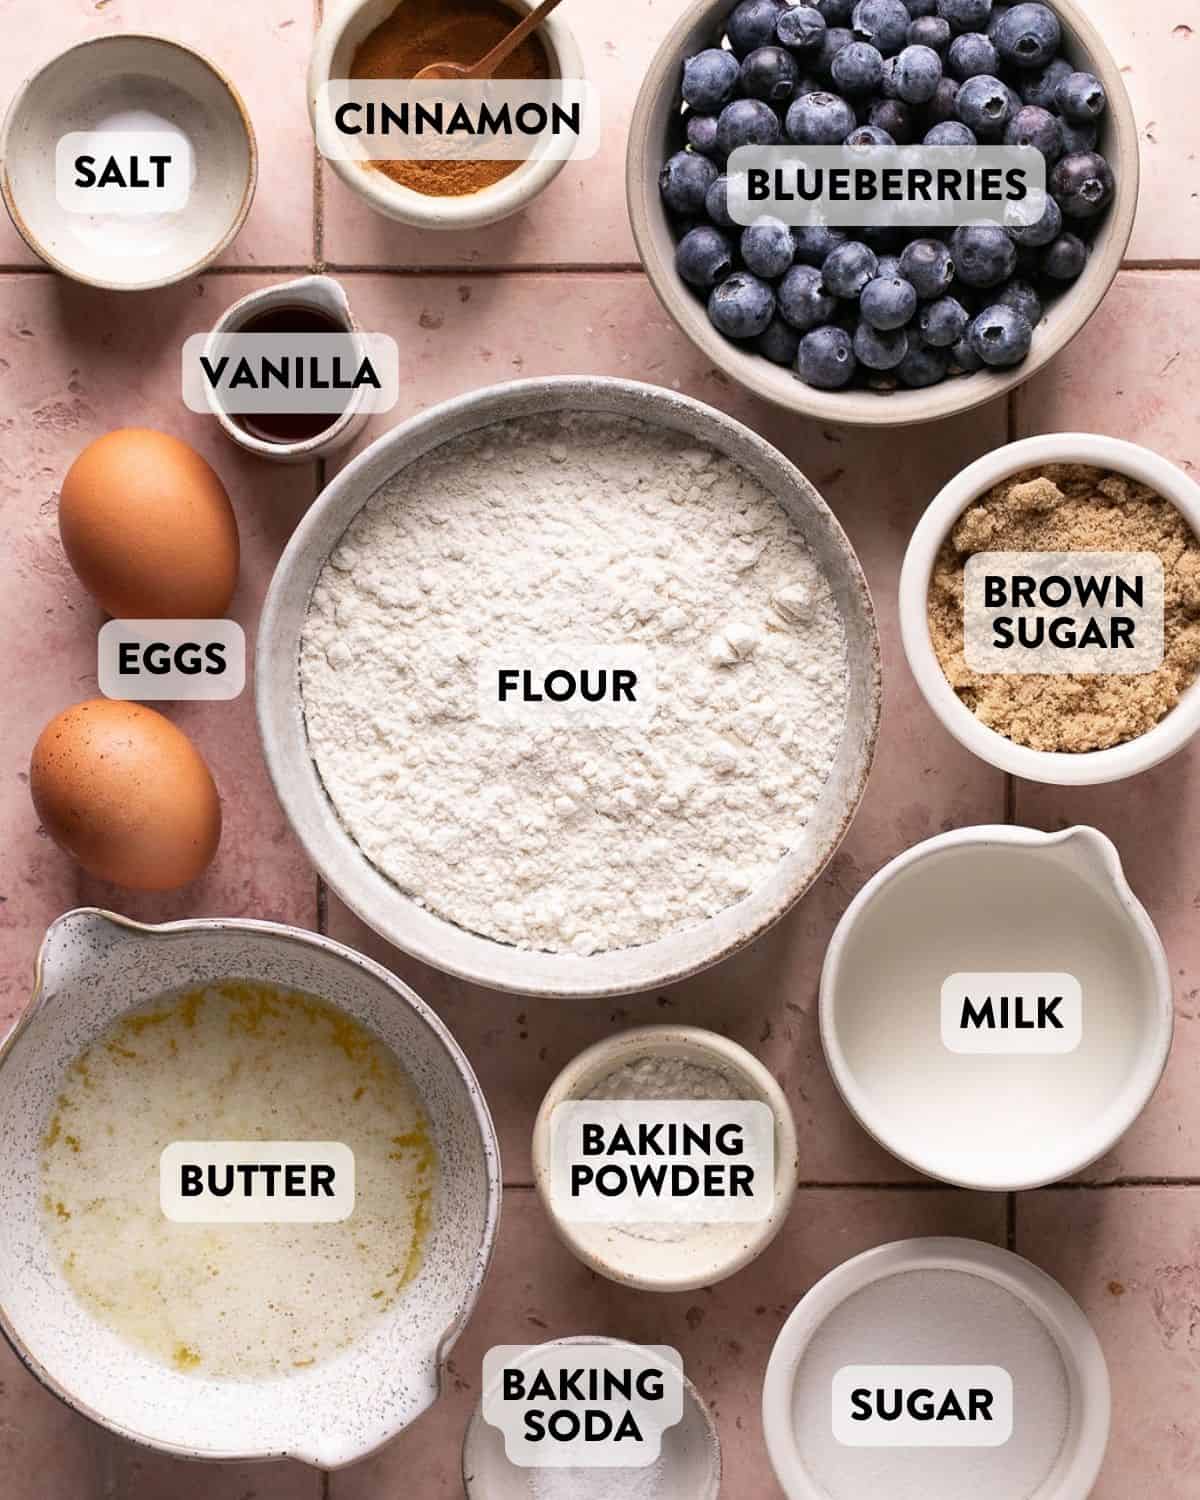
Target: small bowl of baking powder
{"points": [[675, 1064]]}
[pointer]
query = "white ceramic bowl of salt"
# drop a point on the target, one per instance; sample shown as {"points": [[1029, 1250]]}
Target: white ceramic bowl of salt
{"points": [[997, 903], [129, 83], [688, 1466], [914, 1312]]}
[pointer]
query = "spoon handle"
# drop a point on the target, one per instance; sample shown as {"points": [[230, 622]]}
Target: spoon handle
{"points": [[487, 65]]}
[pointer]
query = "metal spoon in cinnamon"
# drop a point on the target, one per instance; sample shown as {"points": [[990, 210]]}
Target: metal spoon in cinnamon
{"points": [[486, 66]]}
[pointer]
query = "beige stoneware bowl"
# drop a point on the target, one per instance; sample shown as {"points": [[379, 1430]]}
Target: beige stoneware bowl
{"points": [[345, 28], [395, 915], [93, 966], [652, 138], [119, 78]]}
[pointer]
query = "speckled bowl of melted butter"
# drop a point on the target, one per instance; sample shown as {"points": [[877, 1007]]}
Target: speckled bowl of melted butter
{"points": [[139, 1037]]}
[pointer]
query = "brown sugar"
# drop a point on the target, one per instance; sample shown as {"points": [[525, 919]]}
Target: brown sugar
{"points": [[1063, 508], [420, 32]]}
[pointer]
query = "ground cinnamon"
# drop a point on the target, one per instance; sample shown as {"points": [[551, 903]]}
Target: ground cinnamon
{"points": [[420, 32]]}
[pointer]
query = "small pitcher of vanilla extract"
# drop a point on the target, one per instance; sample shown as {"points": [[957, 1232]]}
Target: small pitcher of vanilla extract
{"points": [[309, 305]]}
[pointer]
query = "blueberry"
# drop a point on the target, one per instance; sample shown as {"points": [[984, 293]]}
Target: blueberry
{"points": [[1063, 259], [752, 24], [1040, 85], [819, 120], [767, 247], [778, 342], [709, 79], [923, 365], [918, 73], [684, 180], [742, 306], [929, 31], [826, 358], [848, 268], [858, 68], [894, 116], [704, 256], [887, 302], [867, 136], [1081, 97], [702, 133], [1038, 128], [1028, 36], [944, 104], [889, 266], [965, 15], [963, 359], [1047, 228], [983, 254], [983, 104], [769, 73], [927, 264], [1079, 136], [943, 322], [747, 122], [971, 54], [879, 349], [1000, 336], [801, 27], [884, 23], [803, 300], [836, 12], [716, 203], [834, 40], [815, 241], [1022, 298], [1083, 185], [950, 133]]}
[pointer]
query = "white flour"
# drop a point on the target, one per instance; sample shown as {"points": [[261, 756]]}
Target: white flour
{"points": [[574, 528]]}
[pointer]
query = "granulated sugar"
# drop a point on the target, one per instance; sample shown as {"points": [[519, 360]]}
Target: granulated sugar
{"points": [[574, 528], [934, 1318]]}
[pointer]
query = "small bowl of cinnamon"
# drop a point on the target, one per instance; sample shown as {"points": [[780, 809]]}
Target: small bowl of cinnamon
{"points": [[375, 40]]}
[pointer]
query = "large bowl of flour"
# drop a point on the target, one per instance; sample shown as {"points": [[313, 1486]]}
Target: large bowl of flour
{"points": [[646, 555]]}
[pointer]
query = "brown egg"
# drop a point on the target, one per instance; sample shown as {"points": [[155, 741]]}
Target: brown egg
{"points": [[148, 528], [127, 794]]}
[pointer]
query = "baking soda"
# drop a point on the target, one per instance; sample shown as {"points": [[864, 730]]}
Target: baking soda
{"points": [[599, 1484], [934, 1318]]}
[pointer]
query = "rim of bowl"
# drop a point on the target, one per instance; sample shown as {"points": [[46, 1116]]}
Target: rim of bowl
{"points": [[866, 408], [281, 726], [1050, 767], [474, 1485], [346, 423], [606, 1055], [488, 1139], [423, 210], [12, 117], [1050, 1303], [1148, 1068]]}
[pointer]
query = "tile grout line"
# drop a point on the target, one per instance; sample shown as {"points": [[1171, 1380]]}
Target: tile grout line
{"points": [[932, 1185], [1010, 818]]}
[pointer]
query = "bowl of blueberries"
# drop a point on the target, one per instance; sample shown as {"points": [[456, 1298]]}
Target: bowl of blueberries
{"points": [[831, 321]]}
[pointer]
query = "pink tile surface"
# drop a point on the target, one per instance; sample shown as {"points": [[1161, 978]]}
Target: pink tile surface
{"points": [[725, 1333], [1131, 1258], [72, 366], [1120, 377], [256, 46]]}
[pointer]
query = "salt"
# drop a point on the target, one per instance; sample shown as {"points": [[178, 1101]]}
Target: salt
{"points": [[934, 1318]]}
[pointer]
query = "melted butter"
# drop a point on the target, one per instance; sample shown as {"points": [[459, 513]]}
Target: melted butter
{"points": [[236, 1061]]}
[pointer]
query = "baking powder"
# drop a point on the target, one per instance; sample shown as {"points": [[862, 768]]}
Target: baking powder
{"points": [[566, 528]]}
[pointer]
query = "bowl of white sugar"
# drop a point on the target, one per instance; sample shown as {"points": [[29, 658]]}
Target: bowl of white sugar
{"points": [[251, 1189], [569, 686], [934, 1369]]}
